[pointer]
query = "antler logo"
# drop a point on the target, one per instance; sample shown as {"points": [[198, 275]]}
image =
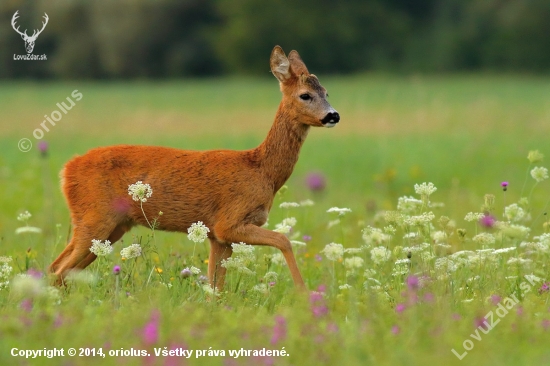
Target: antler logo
{"points": [[29, 41]]}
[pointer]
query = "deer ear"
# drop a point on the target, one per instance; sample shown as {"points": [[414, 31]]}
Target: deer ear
{"points": [[280, 66], [296, 64]]}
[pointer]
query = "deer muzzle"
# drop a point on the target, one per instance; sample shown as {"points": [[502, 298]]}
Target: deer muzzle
{"points": [[331, 119]]}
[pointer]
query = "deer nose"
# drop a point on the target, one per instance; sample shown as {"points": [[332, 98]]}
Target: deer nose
{"points": [[332, 117]]}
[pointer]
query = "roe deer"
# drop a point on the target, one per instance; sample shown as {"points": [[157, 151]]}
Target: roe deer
{"points": [[231, 192]]}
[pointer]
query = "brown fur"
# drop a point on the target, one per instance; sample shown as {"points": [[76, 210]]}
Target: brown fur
{"points": [[231, 192]]}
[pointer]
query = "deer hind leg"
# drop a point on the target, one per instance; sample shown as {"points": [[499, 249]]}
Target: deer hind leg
{"points": [[218, 252], [117, 233], [254, 235], [77, 253]]}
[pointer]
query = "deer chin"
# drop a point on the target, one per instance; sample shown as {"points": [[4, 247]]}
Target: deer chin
{"points": [[330, 124]]}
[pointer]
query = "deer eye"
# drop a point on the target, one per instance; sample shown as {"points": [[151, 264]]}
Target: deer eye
{"points": [[305, 96]]}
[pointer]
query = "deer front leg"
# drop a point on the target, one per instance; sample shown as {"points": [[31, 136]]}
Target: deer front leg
{"points": [[218, 252], [254, 235]]}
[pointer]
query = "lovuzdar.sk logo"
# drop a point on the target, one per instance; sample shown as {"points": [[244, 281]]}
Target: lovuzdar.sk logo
{"points": [[29, 40]]}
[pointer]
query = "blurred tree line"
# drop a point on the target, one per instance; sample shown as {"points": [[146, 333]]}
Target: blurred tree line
{"points": [[174, 38]]}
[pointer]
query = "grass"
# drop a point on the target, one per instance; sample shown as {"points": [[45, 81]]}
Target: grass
{"points": [[464, 133]]}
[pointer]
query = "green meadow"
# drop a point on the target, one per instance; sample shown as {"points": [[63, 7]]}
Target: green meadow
{"points": [[412, 281]]}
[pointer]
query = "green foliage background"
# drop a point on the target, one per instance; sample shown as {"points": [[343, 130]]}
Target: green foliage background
{"points": [[172, 38]]}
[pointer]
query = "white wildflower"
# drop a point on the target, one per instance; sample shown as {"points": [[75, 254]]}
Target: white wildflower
{"points": [[504, 250], [282, 228], [445, 264], [535, 156], [197, 232], [140, 191], [245, 270], [341, 211], [298, 243], [210, 291], [539, 173], [278, 259], [353, 250], [394, 218], [416, 248], [5, 271], [462, 253], [408, 204], [543, 239], [28, 229], [426, 256], [534, 246], [81, 277], [374, 236], [513, 231], [245, 251], [101, 249], [25, 216], [484, 239], [380, 254], [53, 294], [195, 270], [420, 220], [369, 272], [333, 223], [289, 204], [132, 251], [425, 190], [474, 216], [353, 263], [474, 261], [261, 288], [483, 251], [514, 213], [374, 280], [233, 263], [401, 267], [271, 276], [344, 287], [290, 221], [523, 201], [372, 284], [286, 225], [519, 261], [333, 251], [390, 230], [306, 203], [24, 285], [439, 236]]}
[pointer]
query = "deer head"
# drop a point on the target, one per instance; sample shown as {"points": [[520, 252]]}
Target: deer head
{"points": [[302, 92], [29, 41]]}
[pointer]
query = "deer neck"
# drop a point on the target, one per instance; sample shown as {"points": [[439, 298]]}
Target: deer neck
{"points": [[279, 152]]}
